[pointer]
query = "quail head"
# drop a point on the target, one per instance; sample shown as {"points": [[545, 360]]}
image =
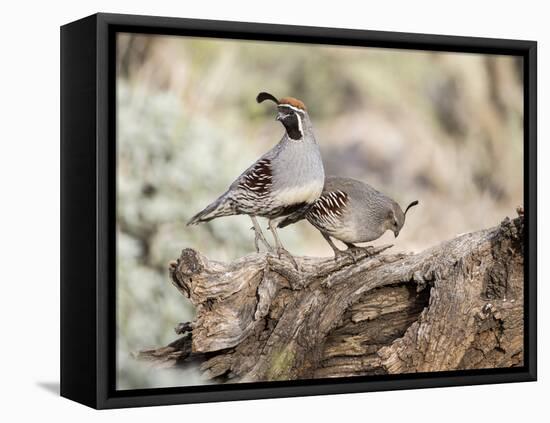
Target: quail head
{"points": [[286, 179], [352, 212]]}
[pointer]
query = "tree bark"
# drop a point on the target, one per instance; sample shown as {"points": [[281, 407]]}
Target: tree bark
{"points": [[458, 305]]}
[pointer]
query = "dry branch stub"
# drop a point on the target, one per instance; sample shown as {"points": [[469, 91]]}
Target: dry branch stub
{"points": [[458, 305]]}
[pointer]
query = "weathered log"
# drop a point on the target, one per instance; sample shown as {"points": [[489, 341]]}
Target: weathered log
{"points": [[458, 305]]}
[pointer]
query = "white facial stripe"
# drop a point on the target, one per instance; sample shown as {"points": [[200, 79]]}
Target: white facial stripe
{"points": [[296, 109], [300, 125]]}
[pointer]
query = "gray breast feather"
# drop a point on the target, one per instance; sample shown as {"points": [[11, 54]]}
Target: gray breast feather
{"points": [[290, 174], [298, 172]]}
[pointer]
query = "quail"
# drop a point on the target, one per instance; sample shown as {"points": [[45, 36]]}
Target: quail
{"points": [[352, 212], [286, 179]]}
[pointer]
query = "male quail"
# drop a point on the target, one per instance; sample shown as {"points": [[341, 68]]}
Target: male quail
{"points": [[286, 179], [351, 211]]}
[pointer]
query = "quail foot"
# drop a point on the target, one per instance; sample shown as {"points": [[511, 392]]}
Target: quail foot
{"points": [[285, 180], [352, 212]]}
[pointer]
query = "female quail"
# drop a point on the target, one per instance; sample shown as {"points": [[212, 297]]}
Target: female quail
{"points": [[286, 179], [352, 211]]}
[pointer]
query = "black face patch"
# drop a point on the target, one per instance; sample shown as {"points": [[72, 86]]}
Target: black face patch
{"points": [[292, 125]]}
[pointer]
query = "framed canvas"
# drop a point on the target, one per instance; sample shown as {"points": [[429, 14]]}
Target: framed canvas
{"points": [[257, 211]]}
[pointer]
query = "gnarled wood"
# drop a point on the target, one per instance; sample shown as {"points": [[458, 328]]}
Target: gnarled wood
{"points": [[458, 305]]}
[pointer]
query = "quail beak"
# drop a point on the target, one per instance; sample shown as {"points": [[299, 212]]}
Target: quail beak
{"points": [[280, 116], [396, 233]]}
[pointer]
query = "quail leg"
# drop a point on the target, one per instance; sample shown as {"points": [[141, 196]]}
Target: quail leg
{"points": [[280, 249], [337, 251], [352, 248], [259, 235]]}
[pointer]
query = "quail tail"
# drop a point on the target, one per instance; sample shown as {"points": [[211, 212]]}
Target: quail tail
{"points": [[223, 206], [294, 217]]}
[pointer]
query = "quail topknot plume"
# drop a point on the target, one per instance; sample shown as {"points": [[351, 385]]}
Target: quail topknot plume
{"points": [[352, 212], [286, 179]]}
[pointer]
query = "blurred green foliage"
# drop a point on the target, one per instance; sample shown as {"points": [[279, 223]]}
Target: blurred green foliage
{"points": [[446, 129]]}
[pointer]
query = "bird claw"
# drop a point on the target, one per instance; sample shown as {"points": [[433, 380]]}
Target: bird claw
{"points": [[344, 254], [282, 252], [354, 252], [368, 250]]}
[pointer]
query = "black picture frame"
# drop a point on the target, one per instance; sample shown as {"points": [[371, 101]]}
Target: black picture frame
{"points": [[88, 116]]}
